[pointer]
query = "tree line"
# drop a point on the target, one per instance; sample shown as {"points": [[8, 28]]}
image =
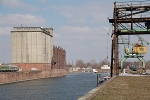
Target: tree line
{"points": [[92, 63], [137, 63], [97, 65]]}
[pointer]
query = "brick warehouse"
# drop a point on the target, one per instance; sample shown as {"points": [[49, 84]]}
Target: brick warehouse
{"points": [[32, 47], [59, 58]]}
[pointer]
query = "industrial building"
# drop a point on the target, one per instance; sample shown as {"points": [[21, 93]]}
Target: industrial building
{"points": [[59, 58], [32, 47]]}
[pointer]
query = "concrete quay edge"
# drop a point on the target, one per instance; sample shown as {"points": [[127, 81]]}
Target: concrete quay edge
{"points": [[91, 94], [30, 79]]}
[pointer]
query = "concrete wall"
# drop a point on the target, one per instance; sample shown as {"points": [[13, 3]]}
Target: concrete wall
{"points": [[32, 45], [50, 30], [39, 66], [11, 77]]}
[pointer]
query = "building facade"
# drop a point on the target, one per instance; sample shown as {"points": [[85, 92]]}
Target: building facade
{"points": [[59, 58], [32, 47]]}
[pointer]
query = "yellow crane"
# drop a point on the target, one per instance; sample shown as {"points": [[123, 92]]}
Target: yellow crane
{"points": [[140, 48], [137, 51]]}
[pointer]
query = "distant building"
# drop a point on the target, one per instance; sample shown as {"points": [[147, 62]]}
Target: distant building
{"points": [[32, 47], [105, 67], [75, 68], [87, 69]]}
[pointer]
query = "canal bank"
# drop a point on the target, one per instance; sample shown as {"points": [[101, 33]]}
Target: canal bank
{"points": [[93, 93], [121, 88], [126, 88], [11, 77]]}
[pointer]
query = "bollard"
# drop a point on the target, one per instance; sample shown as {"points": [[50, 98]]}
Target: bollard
{"points": [[98, 79]]}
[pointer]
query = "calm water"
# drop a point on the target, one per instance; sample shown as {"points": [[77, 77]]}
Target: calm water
{"points": [[69, 87]]}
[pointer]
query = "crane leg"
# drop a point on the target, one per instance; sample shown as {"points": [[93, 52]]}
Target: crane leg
{"points": [[122, 61], [143, 64]]}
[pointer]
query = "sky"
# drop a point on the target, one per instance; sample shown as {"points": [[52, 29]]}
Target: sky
{"points": [[80, 26]]}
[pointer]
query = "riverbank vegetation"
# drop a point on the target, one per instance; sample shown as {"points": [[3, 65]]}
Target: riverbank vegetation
{"points": [[93, 63], [97, 65], [126, 88]]}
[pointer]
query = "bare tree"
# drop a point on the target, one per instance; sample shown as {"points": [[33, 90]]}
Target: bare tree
{"points": [[96, 66], [69, 65], [147, 64], [92, 62], [125, 64], [104, 62], [87, 64], [80, 63]]}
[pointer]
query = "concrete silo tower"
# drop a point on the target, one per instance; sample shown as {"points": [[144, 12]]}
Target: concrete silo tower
{"points": [[32, 47]]}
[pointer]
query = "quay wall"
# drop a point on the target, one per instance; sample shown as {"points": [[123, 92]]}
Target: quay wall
{"points": [[10, 77], [93, 93]]}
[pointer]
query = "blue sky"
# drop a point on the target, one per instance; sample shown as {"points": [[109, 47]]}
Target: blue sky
{"points": [[80, 26]]}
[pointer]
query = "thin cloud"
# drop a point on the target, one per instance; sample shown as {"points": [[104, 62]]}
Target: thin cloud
{"points": [[18, 4], [54, 8], [5, 30], [56, 35], [66, 14], [64, 43], [75, 30], [18, 19], [42, 1], [83, 33], [92, 12]]}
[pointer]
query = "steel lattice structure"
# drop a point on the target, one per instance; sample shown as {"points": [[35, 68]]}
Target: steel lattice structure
{"points": [[129, 18]]}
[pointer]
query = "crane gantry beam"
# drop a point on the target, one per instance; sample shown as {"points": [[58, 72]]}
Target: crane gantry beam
{"points": [[136, 14]]}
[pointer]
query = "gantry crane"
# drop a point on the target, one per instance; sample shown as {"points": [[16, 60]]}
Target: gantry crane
{"points": [[136, 51], [129, 18]]}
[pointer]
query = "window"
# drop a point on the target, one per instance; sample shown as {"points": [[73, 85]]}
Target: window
{"points": [[141, 49]]}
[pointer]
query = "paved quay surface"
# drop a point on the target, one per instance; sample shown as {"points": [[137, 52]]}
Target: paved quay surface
{"points": [[132, 87], [128, 74], [91, 94]]}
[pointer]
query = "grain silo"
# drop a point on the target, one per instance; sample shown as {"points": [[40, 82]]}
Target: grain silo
{"points": [[32, 47]]}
